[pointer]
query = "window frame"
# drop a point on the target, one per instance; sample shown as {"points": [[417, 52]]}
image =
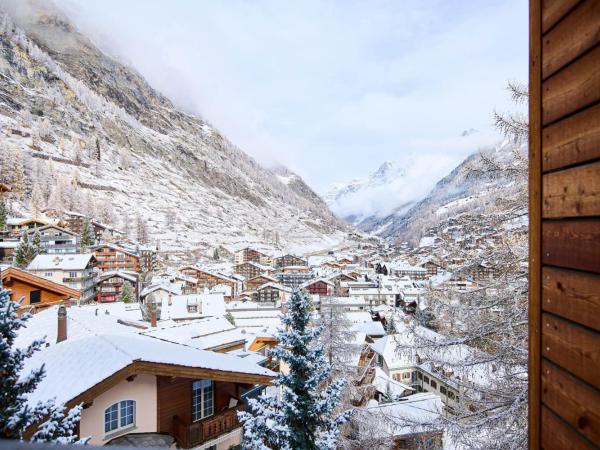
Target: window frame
{"points": [[201, 414], [119, 416]]}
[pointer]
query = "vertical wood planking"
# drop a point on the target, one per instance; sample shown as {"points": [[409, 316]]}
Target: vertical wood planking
{"points": [[535, 217]]}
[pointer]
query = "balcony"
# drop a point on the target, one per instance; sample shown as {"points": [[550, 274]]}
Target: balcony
{"points": [[197, 433]]}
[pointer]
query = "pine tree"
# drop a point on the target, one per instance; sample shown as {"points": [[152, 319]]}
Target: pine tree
{"points": [[126, 295], [216, 256], [37, 200], [15, 414], [87, 236], [3, 215], [36, 243], [25, 252], [18, 175], [305, 417]]}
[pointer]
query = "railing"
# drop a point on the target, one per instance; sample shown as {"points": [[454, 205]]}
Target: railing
{"points": [[194, 434]]}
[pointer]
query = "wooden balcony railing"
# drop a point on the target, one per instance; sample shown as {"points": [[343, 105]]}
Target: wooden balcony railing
{"points": [[197, 433]]}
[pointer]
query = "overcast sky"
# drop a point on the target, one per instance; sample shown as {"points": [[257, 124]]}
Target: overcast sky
{"points": [[329, 88]]}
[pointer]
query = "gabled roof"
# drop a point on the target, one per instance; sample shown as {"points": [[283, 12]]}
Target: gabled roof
{"points": [[277, 286], [268, 277], [78, 261], [29, 278], [208, 272], [125, 274], [322, 280], [114, 247], [15, 221], [56, 227]]}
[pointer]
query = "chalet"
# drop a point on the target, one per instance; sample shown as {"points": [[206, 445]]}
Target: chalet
{"points": [[37, 292], [110, 284], [294, 279], [271, 293], [209, 279], [161, 291], [320, 286], [431, 267], [111, 257], [74, 271], [74, 222], [288, 260], [16, 225], [8, 247], [250, 255], [57, 240], [401, 269], [139, 388], [148, 258], [254, 283], [250, 269], [345, 261], [341, 289]]}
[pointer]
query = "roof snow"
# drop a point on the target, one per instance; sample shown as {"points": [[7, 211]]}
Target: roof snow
{"points": [[66, 262]]}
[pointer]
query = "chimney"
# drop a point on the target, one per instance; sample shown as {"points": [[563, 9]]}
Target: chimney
{"points": [[153, 317], [61, 334]]}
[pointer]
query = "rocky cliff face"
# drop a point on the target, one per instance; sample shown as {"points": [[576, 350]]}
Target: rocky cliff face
{"points": [[79, 118]]}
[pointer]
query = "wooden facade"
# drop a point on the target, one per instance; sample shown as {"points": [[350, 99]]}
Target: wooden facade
{"points": [[564, 151], [111, 257], [38, 293], [288, 260], [209, 280]]}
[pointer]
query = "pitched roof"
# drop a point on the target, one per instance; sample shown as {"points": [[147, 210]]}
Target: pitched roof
{"points": [[29, 278], [78, 261]]}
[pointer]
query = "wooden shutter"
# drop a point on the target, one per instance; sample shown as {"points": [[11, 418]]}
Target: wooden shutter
{"points": [[564, 303]]}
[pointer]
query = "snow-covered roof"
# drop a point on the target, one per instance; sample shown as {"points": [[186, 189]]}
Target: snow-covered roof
{"points": [[76, 365], [177, 307], [125, 274], [78, 261], [170, 288], [388, 386]]}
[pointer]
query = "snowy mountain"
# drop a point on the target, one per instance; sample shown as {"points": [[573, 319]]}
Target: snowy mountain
{"points": [[483, 180], [93, 136]]}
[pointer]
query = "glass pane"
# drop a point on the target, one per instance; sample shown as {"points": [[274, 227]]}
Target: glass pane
{"points": [[111, 418]]}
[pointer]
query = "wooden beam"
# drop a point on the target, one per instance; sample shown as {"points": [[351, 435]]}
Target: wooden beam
{"points": [[572, 295], [535, 217], [572, 244], [559, 436], [573, 88], [562, 45], [572, 347], [570, 399], [572, 192], [573, 140], [553, 11]]}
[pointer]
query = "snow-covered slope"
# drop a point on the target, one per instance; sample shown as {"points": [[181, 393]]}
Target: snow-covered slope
{"points": [[78, 118], [483, 180]]}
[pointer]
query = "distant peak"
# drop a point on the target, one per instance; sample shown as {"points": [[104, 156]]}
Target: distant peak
{"points": [[469, 132], [383, 169]]}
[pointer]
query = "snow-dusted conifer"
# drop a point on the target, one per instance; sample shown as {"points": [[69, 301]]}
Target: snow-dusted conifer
{"points": [[305, 416], [87, 234], [25, 252], [15, 414], [126, 295]]}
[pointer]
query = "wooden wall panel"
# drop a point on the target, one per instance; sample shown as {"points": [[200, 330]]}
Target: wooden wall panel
{"points": [[570, 399], [564, 285], [572, 244], [573, 140], [561, 45], [572, 347], [573, 88], [572, 295], [572, 192], [553, 11], [558, 435]]}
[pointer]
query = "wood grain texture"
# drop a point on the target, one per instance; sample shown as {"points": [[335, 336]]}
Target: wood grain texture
{"points": [[535, 219], [559, 436], [572, 88], [572, 295], [572, 244], [572, 192], [561, 45], [572, 347], [553, 11], [574, 401], [573, 140]]}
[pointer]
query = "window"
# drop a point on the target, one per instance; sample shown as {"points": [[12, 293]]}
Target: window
{"points": [[443, 390], [72, 274], [35, 297], [406, 375], [433, 384], [420, 375], [202, 399], [426, 379], [119, 415], [451, 395], [48, 274]]}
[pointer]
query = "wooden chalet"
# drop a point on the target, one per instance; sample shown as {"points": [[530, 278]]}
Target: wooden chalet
{"points": [[37, 292], [288, 260], [250, 255], [110, 284], [110, 257], [254, 283], [564, 236], [271, 293], [207, 279], [320, 287], [16, 226], [250, 269]]}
